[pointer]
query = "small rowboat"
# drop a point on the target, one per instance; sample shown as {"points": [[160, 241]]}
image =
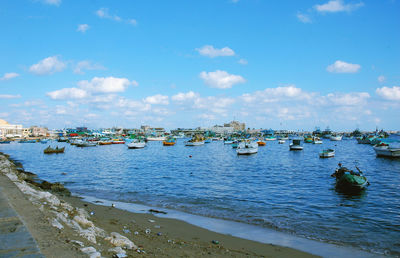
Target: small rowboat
{"points": [[261, 143], [328, 153], [50, 150]]}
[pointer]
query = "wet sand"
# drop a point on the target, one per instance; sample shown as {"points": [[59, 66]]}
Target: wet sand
{"points": [[66, 226]]}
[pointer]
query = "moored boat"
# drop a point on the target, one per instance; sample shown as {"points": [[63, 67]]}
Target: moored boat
{"points": [[170, 141], [159, 138], [386, 151], [117, 141], [247, 148], [347, 179], [317, 140], [86, 144], [296, 145], [281, 141], [261, 143], [4, 142], [136, 144], [50, 150], [197, 140], [336, 137], [327, 153]]}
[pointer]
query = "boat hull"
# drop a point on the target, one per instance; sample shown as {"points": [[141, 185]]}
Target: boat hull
{"points": [[295, 147], [385, 151], [136, 145], [194, 143]]}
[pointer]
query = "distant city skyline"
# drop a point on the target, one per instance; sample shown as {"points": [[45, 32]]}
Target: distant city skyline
{"points": [[282, 65]]}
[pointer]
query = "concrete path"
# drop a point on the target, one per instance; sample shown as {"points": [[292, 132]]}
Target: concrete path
{"points": [[15, 239]]}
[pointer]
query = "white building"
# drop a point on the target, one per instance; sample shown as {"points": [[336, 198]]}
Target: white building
{"points": [[8, 130]]}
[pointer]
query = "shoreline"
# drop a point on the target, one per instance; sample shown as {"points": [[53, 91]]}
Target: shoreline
{"points": [[70, 227], [195, 235]]}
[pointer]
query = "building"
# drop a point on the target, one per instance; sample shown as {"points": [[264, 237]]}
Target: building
{"points": [[9, 130], [37, 131], [237, 126]]}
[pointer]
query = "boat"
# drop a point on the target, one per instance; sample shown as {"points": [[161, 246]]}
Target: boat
{"points": [[197, 140], [296, 145], [336, 137], [50, 150], [235, 144], [347, 179], [159, 138], [4, 142], [104, 142], [85, 144], [136, 144], [261, 143], [271, 138], [281, 141], [228, 140], [207, 140], [384, 150], [44, 141], [317, 140], [117, 141], [327, 153], [62, 139], [27, 141], [247, 148], [170, 141], [308, 138]]}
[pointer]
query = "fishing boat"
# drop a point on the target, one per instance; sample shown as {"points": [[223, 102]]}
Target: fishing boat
{"points": [[308, 138], [208, 140], [347, 179], [261, 143], [296, 145], [4, 142], [117, 141], [197, 140], [159, 138], [44, 141], [228, 140], [270, 138], [317, 140], [136, 144], [170, 141], [50, 150], [247, 148], [235, 144], [62, 139], [104, 142], [27, 141], [384, 150], [336, 137], [327, 153], [281, 141], [85, 144]]}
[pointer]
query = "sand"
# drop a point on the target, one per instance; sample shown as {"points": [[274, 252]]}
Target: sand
{"points": [[66, 226]]}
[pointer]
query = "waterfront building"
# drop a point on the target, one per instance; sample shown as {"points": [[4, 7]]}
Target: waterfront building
{"points": [[237, 126], [37, 131], [9, 130]]}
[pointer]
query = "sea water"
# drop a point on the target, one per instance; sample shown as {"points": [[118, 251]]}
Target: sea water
{"points": [[287, 191]]}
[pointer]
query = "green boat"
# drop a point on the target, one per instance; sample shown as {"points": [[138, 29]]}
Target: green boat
{"points": [[347, 179]]}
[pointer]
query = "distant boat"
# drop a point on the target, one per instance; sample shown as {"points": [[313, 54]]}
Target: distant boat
{"points": [[44, 141], [197, 140], [308, 139], [50, 150], [261, 143], [136, 144], [387, 151], [296, 145], [235, 144], [159, 138], [328, 153], [317, 140], [170, 141], [117, 141], [336, 137], [247, 148], [281, 141], [86, 144], [27, 141], [4, 142], [270, 138], [104, 142]]}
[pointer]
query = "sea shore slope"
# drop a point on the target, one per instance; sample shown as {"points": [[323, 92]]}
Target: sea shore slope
{"points": [[66, 226]]}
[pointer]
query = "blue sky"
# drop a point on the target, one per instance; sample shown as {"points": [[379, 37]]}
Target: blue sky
{"points": [[279, 64]]}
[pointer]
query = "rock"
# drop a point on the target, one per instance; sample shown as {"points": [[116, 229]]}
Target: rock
{"points": [[91, 251], [148, 231], [215, 242], [157, 211], [122, 241]]}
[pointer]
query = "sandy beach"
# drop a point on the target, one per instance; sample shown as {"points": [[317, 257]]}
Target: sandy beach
{"points": [[66, 226]]}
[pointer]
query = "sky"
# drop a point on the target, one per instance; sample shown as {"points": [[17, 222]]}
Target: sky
{"points": [[270, 64]]}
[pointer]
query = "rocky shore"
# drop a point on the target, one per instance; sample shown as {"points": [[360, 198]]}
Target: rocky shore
{"points": [[66, 226]]}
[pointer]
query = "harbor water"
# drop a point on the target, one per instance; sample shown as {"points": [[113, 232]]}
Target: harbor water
{"points": [[287, 191]]}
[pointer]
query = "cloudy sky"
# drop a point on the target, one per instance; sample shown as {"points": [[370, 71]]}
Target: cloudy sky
{"points": [[271, 64]]}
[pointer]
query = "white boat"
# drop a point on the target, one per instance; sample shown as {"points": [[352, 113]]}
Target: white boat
{"points": [[281, 141], [270, 138], [194, 143], [160, 138], [336, 137], [296, 145], [247, 148], [86, 144], [387, 151], [328, 153], [136, 144]]}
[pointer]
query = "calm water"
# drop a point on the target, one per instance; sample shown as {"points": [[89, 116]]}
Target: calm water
{"points": [[276, 188]]}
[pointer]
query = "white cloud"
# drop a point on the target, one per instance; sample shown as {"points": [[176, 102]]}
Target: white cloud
{"points": [[334, 6], [8, 96], [83, 28], [104, 14], [68, 93], [133, 104], [61, 110], [304, 18], [48, 65], [8, 76], [132, 22], [87, 65], [106, 84], [275, 94], [221, 79], [52, 2], [157, 99], [348, 99], [381, 78], [212, 52], [185, 96], [243, 61], [389, 93], [343, 67], [206, 116]]}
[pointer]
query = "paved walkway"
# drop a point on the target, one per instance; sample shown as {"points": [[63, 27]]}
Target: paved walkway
{"points": [[15, 239]]}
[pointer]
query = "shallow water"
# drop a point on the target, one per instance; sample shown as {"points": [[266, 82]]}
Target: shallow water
{"points": [[275, 188]]}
